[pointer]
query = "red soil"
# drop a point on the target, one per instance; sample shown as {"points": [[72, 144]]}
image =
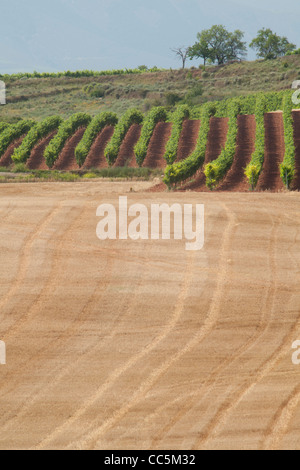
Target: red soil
{"points": [[216, 141], [96, 158], [37, 160], [6, 160], [235, 180], [296, 117], [188, 139], [157, 146], [67, 160], [126, 155], [274, 153]]}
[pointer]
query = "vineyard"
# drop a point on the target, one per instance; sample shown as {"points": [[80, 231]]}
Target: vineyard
{"points": [[238, 144]]}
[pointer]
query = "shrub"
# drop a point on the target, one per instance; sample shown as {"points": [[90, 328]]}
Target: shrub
{"points": [[287, 167], [93, 129], [36, 133], [132, 116], [186, 168], [181, 113], [265, 102], [3, 125], [66, 129], [217, 169], [172, 98], [153, 117], [12, 133]]}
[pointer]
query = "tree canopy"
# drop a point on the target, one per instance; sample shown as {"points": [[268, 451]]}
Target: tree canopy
{"points": [[269, 45], [218, 45]]}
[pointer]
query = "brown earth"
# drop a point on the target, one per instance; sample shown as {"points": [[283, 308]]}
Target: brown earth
{"points": [[126, 155], [274, 153], [96, 157], [216, 140], [157, 146], [188, 139], [66, 160], [6, 160], [37, 160], [296, 117], [235, 180], [142, 344]]}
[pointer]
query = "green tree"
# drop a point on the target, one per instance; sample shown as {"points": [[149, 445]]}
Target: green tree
{"points": [[200, 50], [269, 45], [219, 45]]}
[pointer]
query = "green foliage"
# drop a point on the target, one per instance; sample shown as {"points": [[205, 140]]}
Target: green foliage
{"points": [[66, 129], [95, 90], [254, 168], [93, 129], [172, 98], [270, 46], [153, 117], [36, 133], [181, 113], [132, 116], [3, 125], [12, 133], [265, 103], [218, 45], [184, 169], [287, 167], [80, 73], [217, 169]]}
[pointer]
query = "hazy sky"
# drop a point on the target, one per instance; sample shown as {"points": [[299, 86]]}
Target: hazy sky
{"points": [[104, 34]]}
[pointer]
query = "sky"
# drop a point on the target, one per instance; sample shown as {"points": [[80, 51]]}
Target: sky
{"points": [[60, 35]]}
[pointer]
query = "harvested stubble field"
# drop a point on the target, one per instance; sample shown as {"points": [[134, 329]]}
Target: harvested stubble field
{"points": [[129, 345]]}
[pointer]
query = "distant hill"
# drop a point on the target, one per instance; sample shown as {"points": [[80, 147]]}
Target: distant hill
{"points": [[40, 97]]}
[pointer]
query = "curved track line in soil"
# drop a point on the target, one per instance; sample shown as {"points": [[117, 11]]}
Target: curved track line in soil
{"points": [[59, 373], [188, 138], [157, 146], [212, 378], [225, 410], [6, 160], [134, 359], [91, 440], [281, 421], [66, 160], [274, 154], [37, 160], [284, 415], [26, 253], [216, 140], [269, 304], [126, 156], [296, 119], [108, 338], [96, 158], [236, 180]]}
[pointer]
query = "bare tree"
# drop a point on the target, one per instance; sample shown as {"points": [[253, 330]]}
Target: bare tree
{"points": [[181, 53]]}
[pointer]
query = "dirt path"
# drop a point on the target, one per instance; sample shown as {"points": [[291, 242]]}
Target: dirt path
{"points": [[235, 179], [126, 155], [93, 362], [188, 139], [96, 158], [67, 160], [274, 153], [157, 146], [6, 160], [37, 160]]}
